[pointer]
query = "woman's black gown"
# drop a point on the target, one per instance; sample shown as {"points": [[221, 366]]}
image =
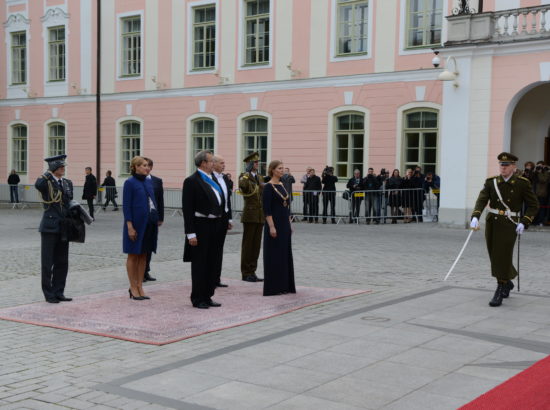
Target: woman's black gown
{"points": [[278, 263]]}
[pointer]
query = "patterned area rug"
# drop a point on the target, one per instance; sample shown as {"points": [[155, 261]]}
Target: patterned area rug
{"points": [[168, 316]]}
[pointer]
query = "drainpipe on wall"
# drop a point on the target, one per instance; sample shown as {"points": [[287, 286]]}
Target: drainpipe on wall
{"points": [[98, 94]]}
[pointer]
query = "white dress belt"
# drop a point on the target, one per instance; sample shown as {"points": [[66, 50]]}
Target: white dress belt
{"points": [[502, 212]]}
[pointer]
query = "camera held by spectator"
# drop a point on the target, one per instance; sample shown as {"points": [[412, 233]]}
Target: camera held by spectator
{"points": [[328, 171]]}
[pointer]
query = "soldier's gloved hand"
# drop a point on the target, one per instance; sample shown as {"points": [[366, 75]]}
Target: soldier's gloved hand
{"points": [[520, 228], [475, 223]]}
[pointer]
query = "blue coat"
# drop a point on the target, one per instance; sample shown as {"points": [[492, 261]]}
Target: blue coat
{"points": [[135, 204]]}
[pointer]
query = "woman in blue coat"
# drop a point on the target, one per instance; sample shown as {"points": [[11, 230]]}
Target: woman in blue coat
{"points": [[140, 224]]}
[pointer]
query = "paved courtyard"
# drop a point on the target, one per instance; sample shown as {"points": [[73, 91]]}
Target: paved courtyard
{"points": [[414, 342]]}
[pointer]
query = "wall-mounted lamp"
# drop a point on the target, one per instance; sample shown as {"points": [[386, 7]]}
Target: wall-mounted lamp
{"points": [[450, 75]]}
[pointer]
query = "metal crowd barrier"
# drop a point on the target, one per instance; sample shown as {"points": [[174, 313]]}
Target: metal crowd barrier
{"points": [[424, 206]]}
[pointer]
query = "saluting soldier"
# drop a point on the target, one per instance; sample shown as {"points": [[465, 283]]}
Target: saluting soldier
{"points": [[506, 194], [251, 185], [56, 193]]}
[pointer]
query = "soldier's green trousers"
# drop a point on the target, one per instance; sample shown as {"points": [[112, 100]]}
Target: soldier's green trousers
{"points": [[500, 235], [250, 250]]}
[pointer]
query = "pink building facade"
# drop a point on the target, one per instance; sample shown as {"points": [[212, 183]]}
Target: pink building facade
{"points": [[348, 83]]}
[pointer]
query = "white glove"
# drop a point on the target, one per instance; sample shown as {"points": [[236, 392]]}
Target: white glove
{"points": [[520, 228], [475, 223]]}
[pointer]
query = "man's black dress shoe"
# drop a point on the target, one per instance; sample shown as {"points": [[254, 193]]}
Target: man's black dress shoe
{"points": [[148, 278], [252, 278], [507, 288], [222, 285], [52, 300], [62, 298], [211, 303], [201, 305], [258, 279]]}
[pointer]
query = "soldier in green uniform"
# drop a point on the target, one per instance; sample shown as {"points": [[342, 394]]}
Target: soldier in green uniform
{"points": [[251, 185], [506, 194]]}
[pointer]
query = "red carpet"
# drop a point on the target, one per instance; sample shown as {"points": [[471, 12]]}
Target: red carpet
{"points": [[168, 317], [529, 389]]}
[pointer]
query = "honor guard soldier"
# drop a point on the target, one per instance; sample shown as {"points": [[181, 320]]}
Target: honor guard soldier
{"points": [[251, 185], [507, 194], [56, 193]]}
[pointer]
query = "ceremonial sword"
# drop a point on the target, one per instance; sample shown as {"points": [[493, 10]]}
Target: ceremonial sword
{"points": [[460, 253]]}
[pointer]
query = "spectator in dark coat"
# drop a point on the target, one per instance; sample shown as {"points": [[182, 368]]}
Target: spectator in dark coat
{"points": [[371, 184], [110, 190], [313, 188], [355, 184], [90, 190], [13, 181], [329, 181], [418, 194], [288, 179], [158, 189], [407, 195], [393, 186]]}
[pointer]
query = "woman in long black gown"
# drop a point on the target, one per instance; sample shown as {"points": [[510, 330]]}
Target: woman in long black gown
{"points": [[278, 263]]}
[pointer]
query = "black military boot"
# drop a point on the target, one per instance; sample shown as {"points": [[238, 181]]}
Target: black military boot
{"points": [[497, 298], [508, 286]]}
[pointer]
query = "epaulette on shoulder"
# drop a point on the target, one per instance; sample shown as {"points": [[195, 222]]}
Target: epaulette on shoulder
{"points": [[525, 179], [494, 176], [243, 176]]}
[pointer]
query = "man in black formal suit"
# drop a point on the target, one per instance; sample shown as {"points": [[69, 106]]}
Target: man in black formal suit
{"points": [[312, 189], [227, 221], [158, 190], [90, 190], [203, 206], [56, 193]]}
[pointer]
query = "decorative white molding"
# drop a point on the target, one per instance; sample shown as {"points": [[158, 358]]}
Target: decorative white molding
{"points": [[348, 97], [420, 92], [202, 105], [129, 109], [17, 114], [55, 16], [545, 71], [16, 22], [55, 112], [253, 103]]}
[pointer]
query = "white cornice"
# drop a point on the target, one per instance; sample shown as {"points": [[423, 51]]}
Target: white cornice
{"points": [[498, 49], [16, 19], [341, 81]]}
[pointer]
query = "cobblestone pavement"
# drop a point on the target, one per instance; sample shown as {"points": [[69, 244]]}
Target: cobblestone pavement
{"points": [[414, 342]]}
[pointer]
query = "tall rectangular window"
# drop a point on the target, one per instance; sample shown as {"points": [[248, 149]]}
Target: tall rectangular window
{"points": [[56, 139], [203, 135], [131, 46], [420, 144], [204, 37], [257, 31], [19, 148], [349, 137], [352, 26], [424, 20], [130, 144], [255, 140], [56, 50], [19, 57]]}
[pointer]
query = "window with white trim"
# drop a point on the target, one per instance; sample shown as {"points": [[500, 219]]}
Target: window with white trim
{"points": [[257, 23], [131, 46], [56, 53], [349, 143], [352, 27], [56, 139], [130, 144], [204, 37], [255, 140], [202, 136], [19, 148], [424, 21], [420, 139], [19, 58]]}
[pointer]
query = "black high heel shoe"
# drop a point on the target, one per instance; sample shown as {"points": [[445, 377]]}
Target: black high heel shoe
{"points": [[134, 297], [145, 297]]}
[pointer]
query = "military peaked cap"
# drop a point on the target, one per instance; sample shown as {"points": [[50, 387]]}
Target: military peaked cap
{"points": [[56, 162], [505, 158], [255, 156]]}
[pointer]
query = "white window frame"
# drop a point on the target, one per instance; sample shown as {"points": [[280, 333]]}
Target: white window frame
{"points": [[334, 57], [11, 51], [399, 136], [17, 22], [118, 144], [242, 39], [55, 16], [190, 36], [49, 57], [240, 132], [190, 168], [11, 147], [120, 17], [47, 139], [403, 50]]}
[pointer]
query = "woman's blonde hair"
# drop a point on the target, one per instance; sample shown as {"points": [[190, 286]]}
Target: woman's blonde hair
{"points": [[136, 162], [272, 165]]}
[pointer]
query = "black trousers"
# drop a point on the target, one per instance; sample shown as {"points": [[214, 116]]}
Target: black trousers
{"points": [[250, 247], [111, 199], [329, 197], [55, 264], [203, 263], [220, 242], [90, 206], [355, 206]]}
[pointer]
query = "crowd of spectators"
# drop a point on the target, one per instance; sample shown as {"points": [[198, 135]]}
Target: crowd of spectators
{"points": [[539, 175]]}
